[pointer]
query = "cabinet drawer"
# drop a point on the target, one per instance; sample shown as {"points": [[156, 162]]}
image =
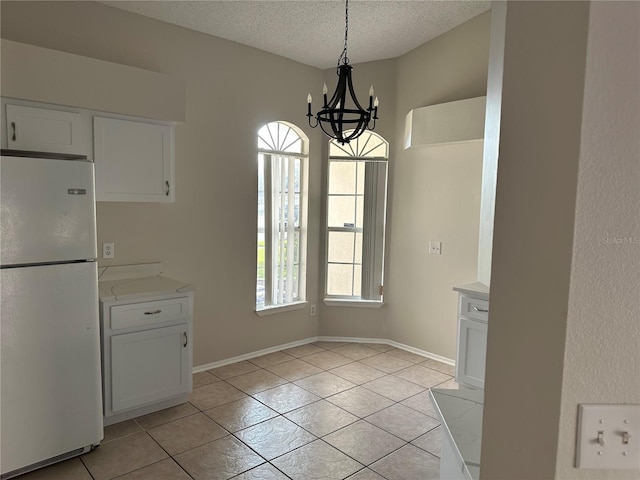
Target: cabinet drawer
{"points": [[474, 308], [147, 313]]}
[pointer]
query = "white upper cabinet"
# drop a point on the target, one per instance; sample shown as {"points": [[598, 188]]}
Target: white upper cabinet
{"points": [[44, 130], [134, 160]]}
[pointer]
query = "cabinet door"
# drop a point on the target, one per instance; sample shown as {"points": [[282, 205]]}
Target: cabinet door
{"points": [[149, 366], [134, 161], [43, 130], [472, 352]]}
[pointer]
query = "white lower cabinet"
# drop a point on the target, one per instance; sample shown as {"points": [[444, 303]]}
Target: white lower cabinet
{"points": [[472, 352], [146, 355], [149, 366], [473, 317]]}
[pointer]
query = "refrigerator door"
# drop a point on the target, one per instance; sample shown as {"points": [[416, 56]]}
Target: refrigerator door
{"points": [[50, 389], [47, 210]]}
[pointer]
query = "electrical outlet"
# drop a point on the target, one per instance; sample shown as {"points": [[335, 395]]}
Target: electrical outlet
{"points": [[312, 310], [608, 436], [435, 247], [107, 250]]}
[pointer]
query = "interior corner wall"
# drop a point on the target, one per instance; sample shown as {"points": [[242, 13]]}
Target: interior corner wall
{"points": [[208, 236], [602, 358], [434, 193], [544, 70]]}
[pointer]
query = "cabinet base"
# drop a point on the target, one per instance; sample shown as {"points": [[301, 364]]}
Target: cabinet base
{"points": [[137, 412]]}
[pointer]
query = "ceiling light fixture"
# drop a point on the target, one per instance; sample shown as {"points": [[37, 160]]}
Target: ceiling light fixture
{"points": [[344, 114]]}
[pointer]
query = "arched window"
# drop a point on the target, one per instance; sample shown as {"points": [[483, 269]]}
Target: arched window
{"points": [[356, 211], [282, 215]]}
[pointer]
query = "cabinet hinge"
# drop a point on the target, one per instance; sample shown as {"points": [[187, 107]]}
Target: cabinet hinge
{"points": [[381, 290]]}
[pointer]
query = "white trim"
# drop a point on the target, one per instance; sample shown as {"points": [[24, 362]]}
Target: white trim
{"points": [[259, 353], [401, 346], [281, 308], [337, 302]]}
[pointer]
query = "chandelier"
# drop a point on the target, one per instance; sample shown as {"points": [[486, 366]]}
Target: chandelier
{"points": [[342, 114]]}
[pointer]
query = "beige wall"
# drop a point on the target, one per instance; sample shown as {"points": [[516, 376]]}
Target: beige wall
{"points": [[544, 64], [435, 193], [208, 236], [602, 354]]}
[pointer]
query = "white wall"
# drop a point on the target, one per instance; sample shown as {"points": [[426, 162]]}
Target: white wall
{"points": [[602, 350]]}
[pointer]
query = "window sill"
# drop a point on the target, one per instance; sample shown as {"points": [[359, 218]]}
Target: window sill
{"points": [[336, 302], [281, 308]]}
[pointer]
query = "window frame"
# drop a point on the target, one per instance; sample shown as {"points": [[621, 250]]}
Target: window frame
{"points": [[271, 223], [373, 241]]}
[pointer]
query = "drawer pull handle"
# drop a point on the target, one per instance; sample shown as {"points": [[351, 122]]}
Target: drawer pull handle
{"points": [[155, 312], [483, 310], [166, 182], [186, 339], [13, 126]]}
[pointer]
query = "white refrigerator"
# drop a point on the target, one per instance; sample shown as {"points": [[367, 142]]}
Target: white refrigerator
{"points": [[50, 387]]}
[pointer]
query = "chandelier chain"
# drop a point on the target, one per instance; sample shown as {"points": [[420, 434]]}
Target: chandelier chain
{"points": [[343, 56]]}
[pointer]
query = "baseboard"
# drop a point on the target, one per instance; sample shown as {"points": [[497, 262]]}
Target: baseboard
{"points": [[402, 346], [259, 353]]}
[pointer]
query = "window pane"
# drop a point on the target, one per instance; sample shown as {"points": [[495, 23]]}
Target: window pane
{"points": [[358, 255], [342, 177], [297, 248], [341, 247], [361, 167], [359, 211], [339, 279], [341, 211], [357, 280]]}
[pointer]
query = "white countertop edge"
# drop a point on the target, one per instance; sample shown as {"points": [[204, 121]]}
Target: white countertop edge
{"points": [[106, 297], [465, 394], [476, 289], [281, 308], [336, 302]]}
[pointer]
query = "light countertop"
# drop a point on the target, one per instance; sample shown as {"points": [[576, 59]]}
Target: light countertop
{"points": [[133, 282], [461, 414], [476, 289]]}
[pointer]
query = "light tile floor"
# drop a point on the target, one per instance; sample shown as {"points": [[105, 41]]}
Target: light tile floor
{"points": [[325, 410]]}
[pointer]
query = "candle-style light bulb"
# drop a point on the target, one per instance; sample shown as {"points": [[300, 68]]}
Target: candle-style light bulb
{"points": [[375, 109], [309, 106], [371, 98], [376, 103], [324, 89], [308, 98], [371, 91]]}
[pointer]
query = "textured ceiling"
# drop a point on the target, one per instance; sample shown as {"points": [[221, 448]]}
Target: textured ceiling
{"points": [[312, 32]]}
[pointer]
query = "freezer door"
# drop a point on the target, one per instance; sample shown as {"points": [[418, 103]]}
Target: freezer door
{"points": [[50, 387], [47, 210]]}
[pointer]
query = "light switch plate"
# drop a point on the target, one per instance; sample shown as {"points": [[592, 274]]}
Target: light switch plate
{"points": [[608, 436]]}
